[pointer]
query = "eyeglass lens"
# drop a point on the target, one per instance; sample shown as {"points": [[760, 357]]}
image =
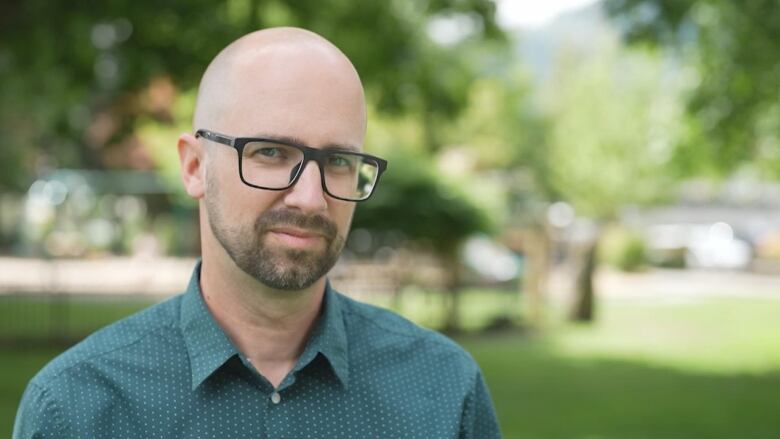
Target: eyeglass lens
{"points": [[273, 166]]}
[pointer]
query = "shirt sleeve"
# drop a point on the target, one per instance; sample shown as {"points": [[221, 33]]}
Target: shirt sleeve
{"points": [[38, 415], [479, 417]]}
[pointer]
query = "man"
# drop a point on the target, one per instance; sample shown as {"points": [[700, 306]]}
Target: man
{"points": [[260, 345]]}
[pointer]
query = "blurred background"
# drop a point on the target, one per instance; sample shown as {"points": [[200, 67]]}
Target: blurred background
{"points": [[584, 193]]}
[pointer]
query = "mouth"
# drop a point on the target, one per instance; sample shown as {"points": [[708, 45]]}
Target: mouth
{"points": [[297, 238]]}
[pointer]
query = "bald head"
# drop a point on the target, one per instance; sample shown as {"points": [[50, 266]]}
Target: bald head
{"points": [[277, 70]]}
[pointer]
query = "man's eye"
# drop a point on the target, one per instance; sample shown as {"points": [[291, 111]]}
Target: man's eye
{"points": [[270, 152], [338, 161]]}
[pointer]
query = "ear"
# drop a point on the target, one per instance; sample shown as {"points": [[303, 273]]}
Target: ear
{"points": [[193, 165]]}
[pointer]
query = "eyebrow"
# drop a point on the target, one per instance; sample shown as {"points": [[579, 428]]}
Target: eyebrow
{"points": [[298, 141]]}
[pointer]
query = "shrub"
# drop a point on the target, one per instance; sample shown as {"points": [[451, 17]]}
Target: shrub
{"points": [[623, 249]]}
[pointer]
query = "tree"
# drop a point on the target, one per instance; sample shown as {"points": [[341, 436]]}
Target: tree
{"points": [[505, 134], [733, 47], [109, 84], [414, 202], [77, 75], [613, 125]]}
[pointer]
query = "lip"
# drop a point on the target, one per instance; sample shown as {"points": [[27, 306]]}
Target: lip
{"points": [[298, 233], [293, 237]]}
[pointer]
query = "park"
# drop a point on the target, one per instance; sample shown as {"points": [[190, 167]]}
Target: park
{"points": [[589, 203]]}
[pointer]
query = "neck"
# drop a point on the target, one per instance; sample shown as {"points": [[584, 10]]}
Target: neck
{"points": [[270, 327]]}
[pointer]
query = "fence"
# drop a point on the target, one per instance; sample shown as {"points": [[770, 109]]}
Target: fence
{"points": [[61, 301]]}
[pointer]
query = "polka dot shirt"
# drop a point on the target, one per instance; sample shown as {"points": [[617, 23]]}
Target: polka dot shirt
{"points": [[170, 371]]}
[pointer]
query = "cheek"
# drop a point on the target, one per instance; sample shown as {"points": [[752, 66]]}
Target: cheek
{"points": [[235, 200], [341, 213]]}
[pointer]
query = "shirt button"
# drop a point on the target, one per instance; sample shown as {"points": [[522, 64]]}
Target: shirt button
{"points": [[276, 397]]}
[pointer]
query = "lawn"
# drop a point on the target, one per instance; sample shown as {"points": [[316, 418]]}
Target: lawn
{"points": [[709, 368], [27, 319]]}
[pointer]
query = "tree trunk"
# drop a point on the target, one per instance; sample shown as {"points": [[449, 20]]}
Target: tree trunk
{"points": [[536, 266], [452, 292], [583, 309]]}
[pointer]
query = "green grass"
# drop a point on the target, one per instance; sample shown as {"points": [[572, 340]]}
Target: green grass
{"points": [[26, 317], [18, 366], [707, 369], [478, 308], [30, 318]]}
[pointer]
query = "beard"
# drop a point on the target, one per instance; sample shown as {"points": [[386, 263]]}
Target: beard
{"points": [[275, 266]]}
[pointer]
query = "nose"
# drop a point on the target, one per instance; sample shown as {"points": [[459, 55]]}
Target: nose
{"points": [[307, 194]]}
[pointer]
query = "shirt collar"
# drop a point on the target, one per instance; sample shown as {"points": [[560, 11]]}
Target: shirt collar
{"points": [[207, 344], [209, 347], [329, 337]]}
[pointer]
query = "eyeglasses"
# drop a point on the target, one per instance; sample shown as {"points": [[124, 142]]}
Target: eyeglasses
{"points": [[276, 165]]}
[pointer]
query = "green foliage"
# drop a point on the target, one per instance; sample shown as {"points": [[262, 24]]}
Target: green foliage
{"points": [[159, 142], [76, 75], [413, 200], [623, 249], [418, 196], [733, 47], [501, 124], [613, 123]]}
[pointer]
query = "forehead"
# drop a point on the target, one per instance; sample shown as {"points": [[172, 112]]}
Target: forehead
{"points": [[293, 92]]}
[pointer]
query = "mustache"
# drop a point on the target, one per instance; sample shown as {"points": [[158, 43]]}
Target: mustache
{"points": [[287, 217]]}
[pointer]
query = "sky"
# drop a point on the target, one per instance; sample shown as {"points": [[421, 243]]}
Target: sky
{"points": [[529, 14]]}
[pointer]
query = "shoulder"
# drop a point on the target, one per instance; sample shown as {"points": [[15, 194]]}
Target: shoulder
{"points": [[382, 329], [115, 339]]}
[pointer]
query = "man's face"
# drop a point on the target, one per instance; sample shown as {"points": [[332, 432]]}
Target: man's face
{"points": [[285, 239]]}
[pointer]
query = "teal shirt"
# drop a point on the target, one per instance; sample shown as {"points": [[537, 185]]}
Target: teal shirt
{"points": [[170, 371]]}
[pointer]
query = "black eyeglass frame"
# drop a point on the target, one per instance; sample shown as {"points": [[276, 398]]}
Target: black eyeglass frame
{"points": [[317, 155]]}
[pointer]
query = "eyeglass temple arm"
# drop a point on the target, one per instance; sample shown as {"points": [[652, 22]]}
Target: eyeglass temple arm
{"points": [[215, 137]]}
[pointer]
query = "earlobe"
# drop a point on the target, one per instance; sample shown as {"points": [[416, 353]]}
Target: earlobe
{"points": [[192, 165]]}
